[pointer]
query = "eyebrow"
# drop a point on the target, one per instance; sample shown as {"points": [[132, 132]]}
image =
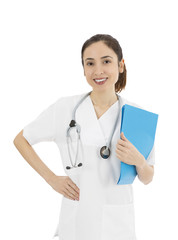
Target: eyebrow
{"points": [[101, 58]]}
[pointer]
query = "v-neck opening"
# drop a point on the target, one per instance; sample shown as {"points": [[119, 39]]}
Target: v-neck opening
{"points": [[91, 125], [105, 111]]}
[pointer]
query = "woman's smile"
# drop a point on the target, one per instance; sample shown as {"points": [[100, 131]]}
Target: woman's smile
{"points": [[100, 81], [101, 66]]}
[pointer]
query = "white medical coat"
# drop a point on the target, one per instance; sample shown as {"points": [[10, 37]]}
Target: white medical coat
{"points": [[105, 210]]}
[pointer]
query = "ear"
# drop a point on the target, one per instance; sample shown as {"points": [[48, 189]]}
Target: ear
{"points": [[121, 66]]}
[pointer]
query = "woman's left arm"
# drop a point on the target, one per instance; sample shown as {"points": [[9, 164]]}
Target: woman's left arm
{"points": [[145, 171], [127, 153]]}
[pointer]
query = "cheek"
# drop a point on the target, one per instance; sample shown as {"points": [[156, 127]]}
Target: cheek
{"points": [[113, 71], [116, 77], [88, 73], [88, 76]]}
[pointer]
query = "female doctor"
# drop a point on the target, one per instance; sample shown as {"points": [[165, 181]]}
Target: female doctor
{"points": [[94, 206]]}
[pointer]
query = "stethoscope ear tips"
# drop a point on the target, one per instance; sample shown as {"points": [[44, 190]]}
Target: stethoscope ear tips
{"points": [[79, 165]]}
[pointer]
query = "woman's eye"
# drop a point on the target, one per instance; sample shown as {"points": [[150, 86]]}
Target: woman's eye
{"points": [[89, 63], [107, 61]]}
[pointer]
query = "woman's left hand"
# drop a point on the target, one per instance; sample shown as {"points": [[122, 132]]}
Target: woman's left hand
{"points": [[127, 152]]}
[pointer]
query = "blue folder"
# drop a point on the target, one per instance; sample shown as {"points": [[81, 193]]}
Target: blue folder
{"points": [[139, 127]]}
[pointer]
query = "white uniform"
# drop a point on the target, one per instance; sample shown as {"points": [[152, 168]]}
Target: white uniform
{"points": [[105, 210]]}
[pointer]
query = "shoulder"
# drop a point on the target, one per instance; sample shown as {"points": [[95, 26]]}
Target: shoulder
{"points": [[69, 101], [71, 98], [126, 101]]}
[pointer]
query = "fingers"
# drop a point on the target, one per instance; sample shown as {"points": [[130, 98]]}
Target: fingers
{"points": [[122, 143], [69, 195], [73, 185], [123, 136], [120, 148], [71, 190], [119, 154]]}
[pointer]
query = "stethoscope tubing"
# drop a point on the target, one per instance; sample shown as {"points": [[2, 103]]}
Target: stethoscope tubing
{"points": [[73, 123]]}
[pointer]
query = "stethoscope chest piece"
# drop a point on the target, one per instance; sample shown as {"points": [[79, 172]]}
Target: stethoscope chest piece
{"points": [[105, 152]]}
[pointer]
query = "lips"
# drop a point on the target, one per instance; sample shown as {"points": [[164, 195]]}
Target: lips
{"points": [[100, 79]]}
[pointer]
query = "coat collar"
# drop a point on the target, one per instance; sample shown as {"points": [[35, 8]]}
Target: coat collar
{"points": [[91, 130]]}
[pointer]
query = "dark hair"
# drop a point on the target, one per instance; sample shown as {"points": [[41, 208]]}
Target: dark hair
{"points": [[115, 46]]}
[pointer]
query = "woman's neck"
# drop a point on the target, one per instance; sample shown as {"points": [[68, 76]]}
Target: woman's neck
{"points": [[103, 99]]}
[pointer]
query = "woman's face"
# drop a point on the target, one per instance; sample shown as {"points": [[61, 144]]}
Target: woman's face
{"points": [[101, 63]]}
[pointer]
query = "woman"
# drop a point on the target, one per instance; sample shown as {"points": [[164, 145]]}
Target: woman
{"points": [[103, 209]]}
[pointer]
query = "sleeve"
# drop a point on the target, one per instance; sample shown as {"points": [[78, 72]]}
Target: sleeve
{"points": [[151, 157], [43, 127]]}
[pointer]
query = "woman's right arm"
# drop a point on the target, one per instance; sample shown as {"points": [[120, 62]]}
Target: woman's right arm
{"points": [[62, 184]]}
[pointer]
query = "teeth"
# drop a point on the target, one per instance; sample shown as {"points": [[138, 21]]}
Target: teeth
{"points": [[100, 80]]}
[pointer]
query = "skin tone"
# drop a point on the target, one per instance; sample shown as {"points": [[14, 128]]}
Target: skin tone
{"points": [[102, 96], [100, 61], [97, 65], [61, 184]]}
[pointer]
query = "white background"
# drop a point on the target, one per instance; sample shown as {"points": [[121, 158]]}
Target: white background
{"points": [[40, 61]]}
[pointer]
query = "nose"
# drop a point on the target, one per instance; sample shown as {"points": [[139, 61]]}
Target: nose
{"points": [[98, 70]]}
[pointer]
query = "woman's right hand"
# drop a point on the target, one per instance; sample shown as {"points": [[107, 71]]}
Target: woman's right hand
{"points": [[65, 186]]}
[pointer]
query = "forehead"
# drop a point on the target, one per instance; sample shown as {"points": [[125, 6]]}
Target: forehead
{"points": [[98, 49]]}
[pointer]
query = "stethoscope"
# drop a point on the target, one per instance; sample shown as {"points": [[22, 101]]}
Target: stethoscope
{"points": [[104, 151]]}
